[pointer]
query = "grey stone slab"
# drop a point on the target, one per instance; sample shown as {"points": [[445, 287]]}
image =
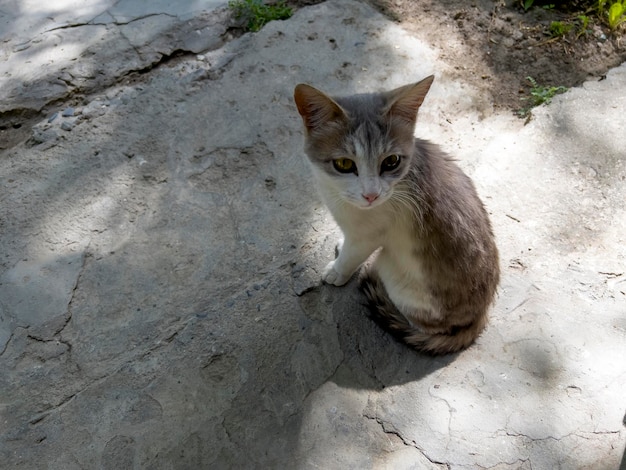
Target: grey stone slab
{"points": [[175, 237], [128, 10], [52, 51], [22, 21]]}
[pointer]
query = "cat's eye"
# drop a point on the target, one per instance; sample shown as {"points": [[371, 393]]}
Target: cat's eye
{"points": [[344, 165], [390, 163]]}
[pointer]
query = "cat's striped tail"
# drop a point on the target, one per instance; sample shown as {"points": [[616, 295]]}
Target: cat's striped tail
{"points": [[385, 313]]}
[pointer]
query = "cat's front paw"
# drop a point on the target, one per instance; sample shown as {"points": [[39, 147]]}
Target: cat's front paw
{"points": [[334, 277]]}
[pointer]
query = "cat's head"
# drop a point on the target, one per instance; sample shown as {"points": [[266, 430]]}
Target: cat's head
{"points": [[360, 146]]}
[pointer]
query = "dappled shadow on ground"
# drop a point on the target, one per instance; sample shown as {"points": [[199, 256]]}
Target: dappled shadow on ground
{"points": [[494, 46], [175, 196], [63, 52], [189, 336], [371, 357]]}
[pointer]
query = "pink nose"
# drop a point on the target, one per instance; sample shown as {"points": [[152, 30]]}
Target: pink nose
{"points": [[371, 197]]}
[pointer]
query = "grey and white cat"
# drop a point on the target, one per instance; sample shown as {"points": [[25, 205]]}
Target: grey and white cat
{"points": [[437, 270]]}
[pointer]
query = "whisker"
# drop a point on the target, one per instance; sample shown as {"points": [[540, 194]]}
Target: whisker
{"points": [[406, 198]]}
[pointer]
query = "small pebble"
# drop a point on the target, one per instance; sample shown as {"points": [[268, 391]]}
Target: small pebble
{"points": [[53, 117], [67, 126], [43, 135], [67, 112]]}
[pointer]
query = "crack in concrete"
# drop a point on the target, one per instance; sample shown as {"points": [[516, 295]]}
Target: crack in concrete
{"points": [[533, 439], [68, 315], [135, 50], [6, 346], [116, 22], [597, 433], [226, 431], [42, 415], [558, 439], [58, 340], [163, 342], [389, 428], [171, 337], [75, 90], [373, 375], [314, 389], [58, 407]]}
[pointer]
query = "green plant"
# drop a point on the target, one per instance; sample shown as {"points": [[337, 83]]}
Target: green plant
{"points": [[526, 4], [583, 25], [257, 14], [616, 13], [539, 95], [559, 28]]}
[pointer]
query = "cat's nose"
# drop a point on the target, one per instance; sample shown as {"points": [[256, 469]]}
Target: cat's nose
{"points": [[370, 197]]}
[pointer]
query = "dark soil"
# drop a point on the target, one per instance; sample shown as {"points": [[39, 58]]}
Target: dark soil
{"points": [[495, 45]]}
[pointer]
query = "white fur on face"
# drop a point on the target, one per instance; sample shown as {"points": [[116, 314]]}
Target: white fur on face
{"points": [[350, 188]]}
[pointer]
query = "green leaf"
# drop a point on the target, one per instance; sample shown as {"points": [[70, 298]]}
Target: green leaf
{"points": [[616, 11], [257, 14]]}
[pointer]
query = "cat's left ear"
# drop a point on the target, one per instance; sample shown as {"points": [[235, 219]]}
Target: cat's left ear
{"points": [[404, 102]]}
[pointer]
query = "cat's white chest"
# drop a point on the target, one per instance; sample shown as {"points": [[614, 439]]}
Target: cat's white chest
{"points": [[398, 263], [372, 224], [400, 269]]}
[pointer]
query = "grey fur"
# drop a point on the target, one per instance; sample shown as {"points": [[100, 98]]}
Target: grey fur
{"points": [[454, 247]]}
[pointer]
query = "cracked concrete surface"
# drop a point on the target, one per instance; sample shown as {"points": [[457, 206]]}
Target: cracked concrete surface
{"points": [[52, 50], [160, 304]]}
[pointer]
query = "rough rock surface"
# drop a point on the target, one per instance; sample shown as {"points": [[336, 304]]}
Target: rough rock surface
{"points": [[160, 304], [51, 51]]}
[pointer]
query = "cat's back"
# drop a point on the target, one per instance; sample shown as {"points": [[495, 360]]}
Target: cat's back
{"points": [[446, 191], [454, 226]]}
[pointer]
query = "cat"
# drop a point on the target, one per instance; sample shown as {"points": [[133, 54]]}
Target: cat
{"points": [[435, 268]]}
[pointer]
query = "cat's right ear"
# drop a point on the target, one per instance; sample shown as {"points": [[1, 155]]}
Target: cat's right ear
{"points": [[317, 109]]}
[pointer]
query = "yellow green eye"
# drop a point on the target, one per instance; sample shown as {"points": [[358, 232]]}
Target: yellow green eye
{"points": [[344, 165], [390, 163]]}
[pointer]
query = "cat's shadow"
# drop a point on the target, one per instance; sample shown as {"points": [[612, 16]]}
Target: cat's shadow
{"points": [[372, 357]]}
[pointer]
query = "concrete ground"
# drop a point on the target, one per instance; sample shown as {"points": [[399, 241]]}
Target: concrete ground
{"points": [[161, 244]]}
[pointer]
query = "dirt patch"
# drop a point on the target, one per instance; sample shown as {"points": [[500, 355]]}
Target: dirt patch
{"points": [[495, 45]]}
